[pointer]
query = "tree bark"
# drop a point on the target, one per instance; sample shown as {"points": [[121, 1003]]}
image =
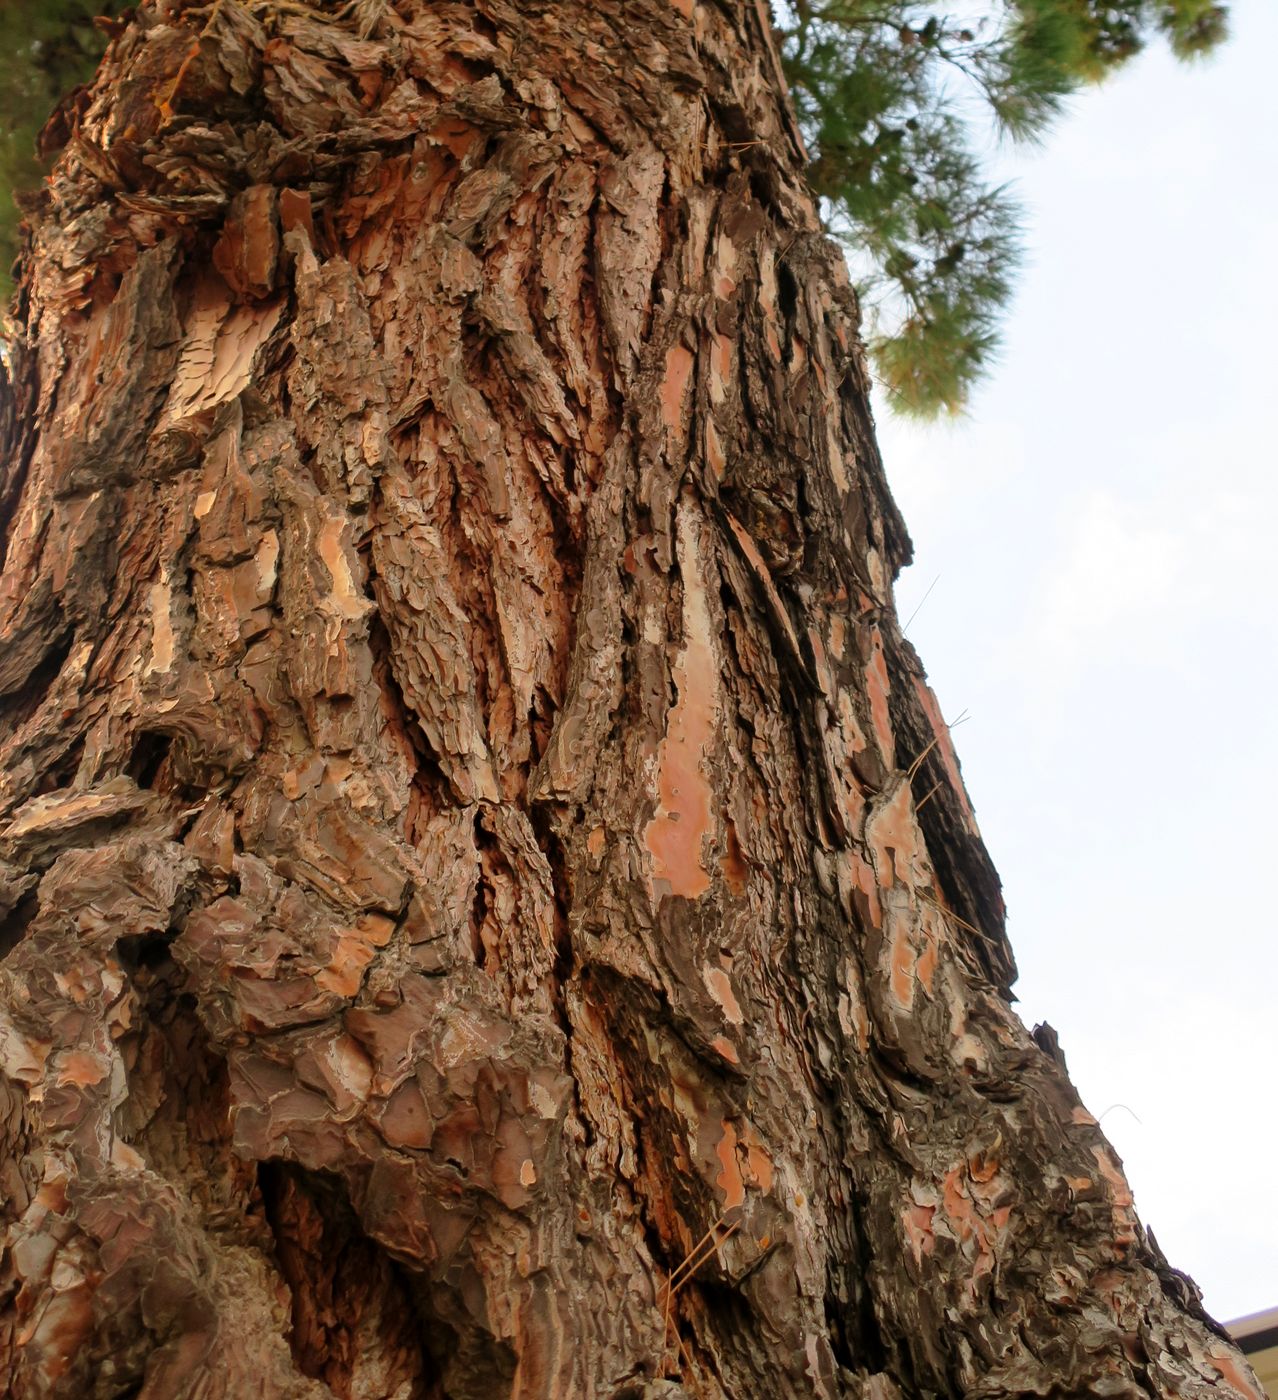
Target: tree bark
{"points": [[492, 907]]}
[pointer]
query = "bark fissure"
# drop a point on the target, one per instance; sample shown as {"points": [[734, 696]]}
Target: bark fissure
{"points": [[355, 1324]]}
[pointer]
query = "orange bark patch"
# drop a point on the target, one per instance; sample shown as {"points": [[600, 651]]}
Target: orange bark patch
{"points": [[714, 450], [758, 1163], [967, 1224], [685, 7], [760, 1168], [876, 688], [346, 971], [957, 1205], [720, 989], [917, 1220], [1119, 1190], [1121, 1201], [729, 1181], [674, 386], [895, 838], [82, 1068], [927, 964], [1231, 1373], [725, 1047], [675, 833], [355, 949]]}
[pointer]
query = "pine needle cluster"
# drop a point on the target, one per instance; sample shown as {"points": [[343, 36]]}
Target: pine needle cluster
{"points": [[891, 96]]}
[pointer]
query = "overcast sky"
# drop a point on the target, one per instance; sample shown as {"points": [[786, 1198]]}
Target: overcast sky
{"points": [[1104, 530]]}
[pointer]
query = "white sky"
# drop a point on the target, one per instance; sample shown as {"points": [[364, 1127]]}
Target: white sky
{"points": [[1105, 530]]}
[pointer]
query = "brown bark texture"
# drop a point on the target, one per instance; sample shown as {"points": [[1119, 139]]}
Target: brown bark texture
{"points": [[491, 906]]}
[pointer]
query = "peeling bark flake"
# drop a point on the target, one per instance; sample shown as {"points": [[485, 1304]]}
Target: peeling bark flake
{"points": [[675, 834]]}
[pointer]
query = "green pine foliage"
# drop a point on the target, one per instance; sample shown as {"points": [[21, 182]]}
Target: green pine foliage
{"points": [[890, 94]]}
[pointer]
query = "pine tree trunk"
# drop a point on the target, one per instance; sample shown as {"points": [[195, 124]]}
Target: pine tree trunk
{"points": [[492, 908]]}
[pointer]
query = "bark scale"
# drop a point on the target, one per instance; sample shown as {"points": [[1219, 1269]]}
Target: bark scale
{"points": [[492, 907]]}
